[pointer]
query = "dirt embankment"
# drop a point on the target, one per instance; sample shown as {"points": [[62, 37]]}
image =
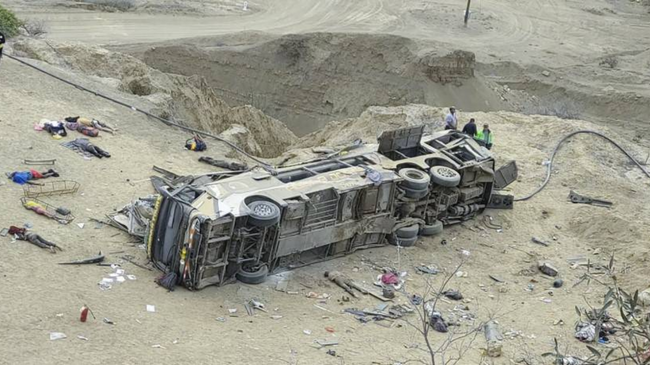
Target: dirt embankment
{"points": [[311, 79], [188, 100], [196, 8], [608, 89]]}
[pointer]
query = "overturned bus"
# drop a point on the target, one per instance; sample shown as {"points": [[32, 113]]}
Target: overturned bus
{"points": [[210, 231]]}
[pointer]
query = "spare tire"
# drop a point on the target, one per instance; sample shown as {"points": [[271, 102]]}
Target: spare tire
{"points": [[263, 213], [444, 176], [252, 277], [415, 194], [414, 179], [431, 229], [408, 231], [407, 242]]}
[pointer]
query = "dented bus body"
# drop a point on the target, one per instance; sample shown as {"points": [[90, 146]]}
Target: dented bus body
{"points": [[251, 224]]}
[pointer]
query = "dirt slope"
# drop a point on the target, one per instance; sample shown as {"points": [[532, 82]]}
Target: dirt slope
{"points": [[187, 99], [308, 80]]}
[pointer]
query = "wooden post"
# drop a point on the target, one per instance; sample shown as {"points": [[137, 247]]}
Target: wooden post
{"points": [[467, 12]]}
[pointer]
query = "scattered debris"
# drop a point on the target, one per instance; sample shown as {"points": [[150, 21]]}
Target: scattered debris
{"points": [[229, 165], [331, 352], [437, 322], [493, 338], [257, 305], [547, 268], [453, 294], [496, 279], [388, 292], [488, 222], [540, 242], [84, 313], [325, 343], [389, 278], [307, 332], [585, 332], [157, 346], [57, 336], [91, 260], [51, 188], [282, 285], [558, 283], [220, 319], [108, 321], [82, 338], [422, 269], [348, 285], [315, 295], [151, 308], [134, 217], [415, 299], [580, 199], [545, 73], [323, 308], [40, 162]]}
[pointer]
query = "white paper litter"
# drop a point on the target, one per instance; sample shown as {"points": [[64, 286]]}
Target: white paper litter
{"points": [[151, 308], [57, 336]]}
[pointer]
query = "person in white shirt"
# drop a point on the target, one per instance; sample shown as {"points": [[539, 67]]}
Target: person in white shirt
{"points": [[450, 120]]}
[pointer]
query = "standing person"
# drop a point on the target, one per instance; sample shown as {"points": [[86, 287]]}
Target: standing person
{"points": [[2, 43], [485, 136], [470, 128], [451, 122]]}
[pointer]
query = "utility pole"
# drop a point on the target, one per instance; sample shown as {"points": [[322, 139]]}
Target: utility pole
{"points": [[467, 12]]}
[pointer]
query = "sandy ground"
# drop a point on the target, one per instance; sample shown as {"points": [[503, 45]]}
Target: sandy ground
{"points": [[514, 43], [40, 297]]}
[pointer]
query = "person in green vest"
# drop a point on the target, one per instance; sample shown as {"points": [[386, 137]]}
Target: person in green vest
{"points": [[484, 136]]}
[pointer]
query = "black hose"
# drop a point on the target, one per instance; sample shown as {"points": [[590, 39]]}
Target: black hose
{"points": [[549, 166], [166, 121]]}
